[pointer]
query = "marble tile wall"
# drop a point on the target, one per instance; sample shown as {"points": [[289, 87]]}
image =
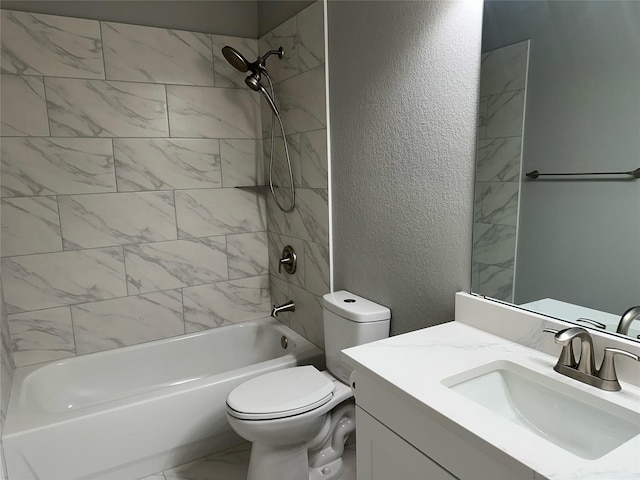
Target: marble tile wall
{"points": [[6, 373], [300, 90], [498, 161], [121, 147]]}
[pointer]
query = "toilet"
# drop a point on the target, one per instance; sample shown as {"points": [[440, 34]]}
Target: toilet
{"points": [[298, 419]]}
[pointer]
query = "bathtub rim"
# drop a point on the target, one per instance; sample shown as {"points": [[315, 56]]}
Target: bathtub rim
{"points": [[20, 420]]}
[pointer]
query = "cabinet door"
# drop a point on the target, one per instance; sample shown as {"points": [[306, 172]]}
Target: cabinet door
{"points": [[383, 455]]}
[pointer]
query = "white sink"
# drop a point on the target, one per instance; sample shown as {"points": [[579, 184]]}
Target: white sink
{"points": [[585, 425]]}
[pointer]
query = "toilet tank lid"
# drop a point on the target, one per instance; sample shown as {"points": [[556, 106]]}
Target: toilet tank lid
{"points": [[354, 307]]}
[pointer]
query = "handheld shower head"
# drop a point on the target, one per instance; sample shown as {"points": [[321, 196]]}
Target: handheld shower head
{"points": [[236, 59], [253, 82]]}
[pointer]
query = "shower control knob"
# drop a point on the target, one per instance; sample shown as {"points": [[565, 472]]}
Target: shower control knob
{"points": [[289, 260]]}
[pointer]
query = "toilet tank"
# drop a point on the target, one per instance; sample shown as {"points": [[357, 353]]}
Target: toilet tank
{"points": [[350, 320]]}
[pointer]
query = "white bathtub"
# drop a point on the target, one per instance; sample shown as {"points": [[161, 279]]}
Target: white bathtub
{"points": [[127, 413]]}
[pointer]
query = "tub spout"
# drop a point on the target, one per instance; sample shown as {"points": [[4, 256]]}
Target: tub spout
{"points": [[285, 307]]}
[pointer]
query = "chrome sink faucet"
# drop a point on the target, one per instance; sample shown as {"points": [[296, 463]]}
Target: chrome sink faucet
{"points": [[627, 317], [585, 370]]}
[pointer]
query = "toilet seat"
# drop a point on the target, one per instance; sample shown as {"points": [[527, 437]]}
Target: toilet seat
{"points": [[280, 394]]}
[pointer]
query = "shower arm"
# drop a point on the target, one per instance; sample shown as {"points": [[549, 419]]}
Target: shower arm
{"points": [[263, 58]]}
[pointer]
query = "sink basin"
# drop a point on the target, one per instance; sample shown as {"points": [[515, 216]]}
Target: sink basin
{"points": [[586, 425]]}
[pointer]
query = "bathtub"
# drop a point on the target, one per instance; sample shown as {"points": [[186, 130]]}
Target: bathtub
{"points": [[127, 413]]}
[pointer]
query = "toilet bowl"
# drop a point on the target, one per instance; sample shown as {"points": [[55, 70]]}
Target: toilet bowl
{"points": [[298, 419]]}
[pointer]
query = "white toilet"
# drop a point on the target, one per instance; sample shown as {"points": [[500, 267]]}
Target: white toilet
{"points": [[299, 418]]}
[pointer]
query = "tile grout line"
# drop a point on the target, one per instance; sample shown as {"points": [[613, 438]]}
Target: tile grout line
{"points": [[69, 305]]}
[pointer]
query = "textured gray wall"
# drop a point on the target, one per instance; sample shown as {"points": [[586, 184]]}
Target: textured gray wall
{"points": [[403, 88], [237, 18], [578, 239], [272, 13]]}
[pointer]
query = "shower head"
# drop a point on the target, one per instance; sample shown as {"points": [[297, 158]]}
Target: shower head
{"points": [[257, 68], [253, 82], [236, 59]]}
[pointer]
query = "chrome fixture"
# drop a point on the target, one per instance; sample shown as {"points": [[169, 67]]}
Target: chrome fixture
{"points": [[285, 307], [289, 260], [627, 317], [593, 323], [258, 69], [584, 370]]}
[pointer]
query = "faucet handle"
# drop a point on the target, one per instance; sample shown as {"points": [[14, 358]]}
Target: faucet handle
{"points": [[607, 370], [567, 357], [289, 260]]}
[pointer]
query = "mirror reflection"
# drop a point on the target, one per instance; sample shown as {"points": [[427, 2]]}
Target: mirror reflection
{"points": [[560, 93]]}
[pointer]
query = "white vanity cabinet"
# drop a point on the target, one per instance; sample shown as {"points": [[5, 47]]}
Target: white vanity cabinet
{"points": [[396, 439], [383, 455]]}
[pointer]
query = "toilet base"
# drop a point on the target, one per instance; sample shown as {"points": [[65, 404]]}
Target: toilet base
{"points": [[290, 464], [319, 459], [331, 471], [278, 463]]}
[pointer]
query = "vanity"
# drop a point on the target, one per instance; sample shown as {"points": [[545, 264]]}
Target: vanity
{"points": [[478, 398]]}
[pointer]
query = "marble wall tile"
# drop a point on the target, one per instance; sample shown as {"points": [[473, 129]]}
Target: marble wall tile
{"points": [[276, 245], [181, 263], [35, 282], [494, 245], [316, 268], [500, 203], [42, 336], [96, 108], [275, 217], [34, 44], [242, 163], [224, 74], [313, 159], [504, 114], [213, 112], [225, 303], [279, 290], [268, 119], [477, 201], [499, 159], [89, 221], [248, 255], [156, 55], [203, 213], [23, 111], [30, 225], [504, 69], [126, 321], [310, 218], [310, 37], [284, 35], [475, 277], [495, 282], [51, 166], [307, 319], [162, 163], [6, 357], [301, 101], [482, 117], [280, 169]]}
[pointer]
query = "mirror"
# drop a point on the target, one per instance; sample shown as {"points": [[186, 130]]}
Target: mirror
{"points": [[560, 93]]}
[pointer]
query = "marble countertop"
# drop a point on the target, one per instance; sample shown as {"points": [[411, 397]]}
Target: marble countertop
{"points": [[437, 353]]}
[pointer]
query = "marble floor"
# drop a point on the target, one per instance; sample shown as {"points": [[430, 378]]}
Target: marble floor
{"points": [[232, 464]]}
